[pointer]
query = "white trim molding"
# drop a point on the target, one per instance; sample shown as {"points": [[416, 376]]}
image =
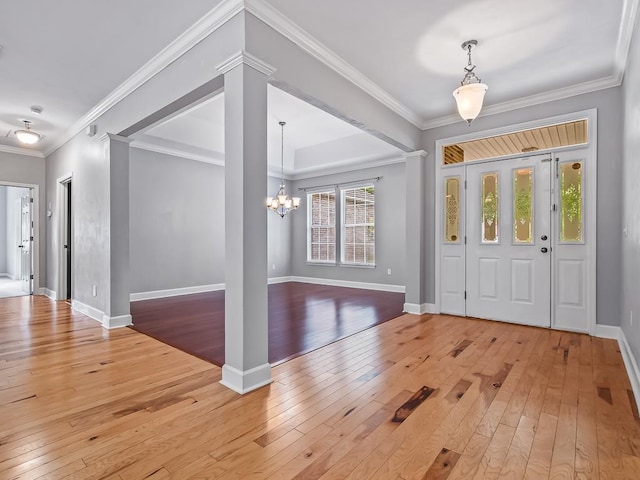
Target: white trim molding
{"points": [[286, 27], [119, 321], [209, 23], [630, 362], [381, 287], [419, 309], [47, 292], [175, 152], [247, 380], [174, 292], [274, 280], [87, 310], [244, 57], [21, 151]]}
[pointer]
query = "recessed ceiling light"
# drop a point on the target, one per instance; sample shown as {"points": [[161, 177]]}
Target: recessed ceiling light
{"points": [[36, 109]]}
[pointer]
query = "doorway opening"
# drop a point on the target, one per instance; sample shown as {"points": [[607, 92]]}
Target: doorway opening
{"points": [[65, 281], [515, 235], [16, 241]]}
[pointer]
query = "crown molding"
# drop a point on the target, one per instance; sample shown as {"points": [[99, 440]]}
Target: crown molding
{"points": [[627, 24], [286, 27], [21, 151], [200, 30], [244, 57], [175, 152], [323, 170], [531, 100]]}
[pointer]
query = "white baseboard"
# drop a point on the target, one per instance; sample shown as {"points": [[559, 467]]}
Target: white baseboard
{"points": [[630, 363], [274, 280], [49, 293], [87, 310], [116, 322], [607, 331], [382, 287], [174, 292], [247, 380], [419, 309]]}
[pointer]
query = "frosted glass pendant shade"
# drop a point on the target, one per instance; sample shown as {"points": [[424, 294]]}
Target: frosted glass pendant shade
{"points": [[469, 100]]}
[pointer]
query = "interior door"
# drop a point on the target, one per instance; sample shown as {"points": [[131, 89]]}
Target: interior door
{"points": [[26, 244], [509, 240]]}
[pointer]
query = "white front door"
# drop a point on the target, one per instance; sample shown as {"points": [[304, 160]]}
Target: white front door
{"points": [[508, 249]]}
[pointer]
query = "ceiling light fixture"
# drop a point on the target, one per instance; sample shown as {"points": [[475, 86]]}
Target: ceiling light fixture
{"points": [[470, 94], [281, 203], [28, 136]]}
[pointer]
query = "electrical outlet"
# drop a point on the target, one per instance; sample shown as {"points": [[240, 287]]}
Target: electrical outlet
{"points": [[273, 267], [94, 290], [388, 271]]}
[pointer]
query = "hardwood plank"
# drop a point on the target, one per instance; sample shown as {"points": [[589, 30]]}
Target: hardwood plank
{"points": [[195, 323], [81, 402]]}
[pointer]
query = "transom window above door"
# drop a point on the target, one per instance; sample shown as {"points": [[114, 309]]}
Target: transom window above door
{"points": [[524, 141]]}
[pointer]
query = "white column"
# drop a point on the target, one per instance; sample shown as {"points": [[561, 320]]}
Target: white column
{"points": [[246, 365], [414, 296], [117, 312]]}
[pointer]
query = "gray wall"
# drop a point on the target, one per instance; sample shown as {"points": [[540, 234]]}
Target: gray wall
{"points": [[279, 233], [390, 229], [85, 159], [176, 222], [630, 256], [609, 105], [29, 170]]}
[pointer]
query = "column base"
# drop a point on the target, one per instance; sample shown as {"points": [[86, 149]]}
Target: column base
{"points": [[247, 380]]}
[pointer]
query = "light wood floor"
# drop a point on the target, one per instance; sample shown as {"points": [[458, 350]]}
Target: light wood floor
{"points": [[417, 397]]}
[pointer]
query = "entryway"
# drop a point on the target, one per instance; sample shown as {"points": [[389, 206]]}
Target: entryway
{"points": [[517, 240], [16, 241]]}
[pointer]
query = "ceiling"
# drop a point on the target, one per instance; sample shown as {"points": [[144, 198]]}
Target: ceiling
{"points": [[68, 55]]}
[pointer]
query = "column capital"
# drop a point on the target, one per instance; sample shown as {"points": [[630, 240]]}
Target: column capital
{"points": [[116, 138], [244, 57], [416, 154]]}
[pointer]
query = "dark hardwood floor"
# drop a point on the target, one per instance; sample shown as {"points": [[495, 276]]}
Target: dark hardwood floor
{"points": [[302, 318]]}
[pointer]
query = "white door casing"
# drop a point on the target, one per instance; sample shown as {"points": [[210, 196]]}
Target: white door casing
{"points": [[509, 256], [26, 228]]}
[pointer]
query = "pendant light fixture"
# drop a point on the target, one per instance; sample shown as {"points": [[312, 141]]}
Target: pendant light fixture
{"points": [[27, 135], [281, 203], [470, 94]]}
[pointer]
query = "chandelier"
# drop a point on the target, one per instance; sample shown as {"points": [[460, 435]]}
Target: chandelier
{"points": [[27, 135], [281, 203], [470, 94]]}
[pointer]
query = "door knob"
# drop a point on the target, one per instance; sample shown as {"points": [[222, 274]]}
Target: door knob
{"points": [[20, 246], [543, 237], [544, 249]]}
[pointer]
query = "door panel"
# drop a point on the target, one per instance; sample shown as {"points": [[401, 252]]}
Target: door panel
{"points": [[508, 206], [570, 255], [452, 265]]}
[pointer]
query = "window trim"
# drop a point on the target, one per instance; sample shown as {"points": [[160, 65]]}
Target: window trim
{"points": [[343, 226], [309, 260]]}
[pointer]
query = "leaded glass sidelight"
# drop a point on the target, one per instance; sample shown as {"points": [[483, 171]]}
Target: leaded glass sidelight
{"points": [[571, 201], [452, 209], [490, 208], [523, 205]]}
